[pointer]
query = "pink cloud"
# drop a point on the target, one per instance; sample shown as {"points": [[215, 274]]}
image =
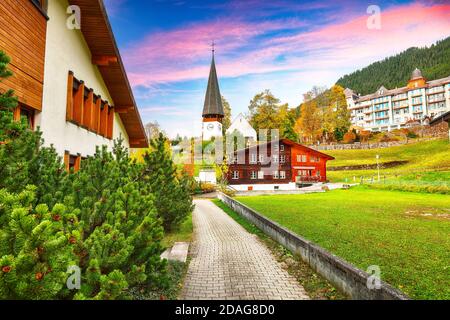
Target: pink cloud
{"points": [[180, 55]]}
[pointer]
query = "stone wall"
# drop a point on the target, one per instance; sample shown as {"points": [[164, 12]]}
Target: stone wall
{"points": [[350, 280], [377, 145]]}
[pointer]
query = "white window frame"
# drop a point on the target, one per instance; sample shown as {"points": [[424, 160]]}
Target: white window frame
{"points": [[253, 175], [235, 175], [282, 174], [253, 158], [275, 159], [276, 175], [260, 175]]}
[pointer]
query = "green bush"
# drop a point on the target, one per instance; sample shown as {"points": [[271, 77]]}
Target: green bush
{"points": [[107, 219]]}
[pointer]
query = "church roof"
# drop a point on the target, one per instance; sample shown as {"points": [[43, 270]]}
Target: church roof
{"points": [[213, 100]]}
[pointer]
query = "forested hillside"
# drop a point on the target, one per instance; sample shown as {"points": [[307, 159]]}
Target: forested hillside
{"points": [[395, 71]]}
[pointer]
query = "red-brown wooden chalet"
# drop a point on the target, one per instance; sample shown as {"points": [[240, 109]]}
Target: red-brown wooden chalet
{"points": [[294, 163]]}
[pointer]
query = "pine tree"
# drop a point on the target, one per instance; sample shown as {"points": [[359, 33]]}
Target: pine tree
{"points": [[7, 100], [172, 196], [36, 247]]}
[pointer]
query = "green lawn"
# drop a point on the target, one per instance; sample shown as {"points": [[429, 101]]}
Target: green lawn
{"points": [[428, 165], [406, 234], [183, 234]]}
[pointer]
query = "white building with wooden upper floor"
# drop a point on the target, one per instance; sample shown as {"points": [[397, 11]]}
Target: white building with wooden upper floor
{"points": [[71, 82]]}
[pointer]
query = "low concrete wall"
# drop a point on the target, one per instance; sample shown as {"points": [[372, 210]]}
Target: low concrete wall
{"points": [[350, 280]]}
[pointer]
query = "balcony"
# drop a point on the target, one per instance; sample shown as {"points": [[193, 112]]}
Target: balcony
{"points": [[437, 90], [399, 98], [436, 100], [401, 107]]}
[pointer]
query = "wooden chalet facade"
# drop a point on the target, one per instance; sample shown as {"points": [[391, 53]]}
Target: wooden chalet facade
{"points": [[71, 83], [283, 166]]}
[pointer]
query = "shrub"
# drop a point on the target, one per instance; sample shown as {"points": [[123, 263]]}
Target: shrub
{"points": [[172, 191], [349, 137]]}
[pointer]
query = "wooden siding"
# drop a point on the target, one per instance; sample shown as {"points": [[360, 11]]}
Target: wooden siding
{"points": [[246, 169], [23, 31], [315, 162]]}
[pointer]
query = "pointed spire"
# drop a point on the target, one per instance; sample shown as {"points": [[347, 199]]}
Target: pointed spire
{"points": [[213, 100]]}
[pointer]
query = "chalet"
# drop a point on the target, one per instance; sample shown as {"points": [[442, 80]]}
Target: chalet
{"points": [[71, 83], [284, 166]]}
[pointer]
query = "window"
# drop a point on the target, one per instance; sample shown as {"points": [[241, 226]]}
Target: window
{"points": [[275, 159], [276, 146], [253, 158], [261, 175], [282, 159], [262, 159], [87, 110], [281, 147], [282, 174], [235, 175], [314, 159], [276, 175], [72, 162], [253, 175], [24, 115]]}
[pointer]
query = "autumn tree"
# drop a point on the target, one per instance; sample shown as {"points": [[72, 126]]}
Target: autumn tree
{"points": [[227, 119], [309, 125], [152, 130], [267, 112]]}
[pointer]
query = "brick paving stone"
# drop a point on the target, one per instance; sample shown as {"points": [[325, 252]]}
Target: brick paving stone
{"points": [[230, 263]]}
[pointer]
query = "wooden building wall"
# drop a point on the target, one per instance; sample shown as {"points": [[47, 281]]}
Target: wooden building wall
{"points": [[246, 169], [22, 37]]}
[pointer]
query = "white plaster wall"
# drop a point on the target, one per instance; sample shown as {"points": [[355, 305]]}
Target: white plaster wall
{"points": [[211, 130], [67, 50], [243, 126]]}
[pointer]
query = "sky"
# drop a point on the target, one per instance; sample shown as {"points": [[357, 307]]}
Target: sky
{"points": [[282, 45]]}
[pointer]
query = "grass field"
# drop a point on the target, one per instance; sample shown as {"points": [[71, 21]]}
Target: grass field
{"points": [[406, 234], [428, 163], [183, 234]]}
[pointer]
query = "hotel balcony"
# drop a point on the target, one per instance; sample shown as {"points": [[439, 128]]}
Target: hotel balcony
{"points": [[401, 107], [440, 90], [436, 100], [399, 98]]}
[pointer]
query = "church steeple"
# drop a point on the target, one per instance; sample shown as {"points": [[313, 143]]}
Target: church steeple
{"points": [[213, 107]]}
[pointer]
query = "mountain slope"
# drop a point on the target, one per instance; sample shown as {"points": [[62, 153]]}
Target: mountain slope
{"points": [[395, 71]]}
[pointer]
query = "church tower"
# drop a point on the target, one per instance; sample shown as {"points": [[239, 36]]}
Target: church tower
{"points": [[213, 109]]}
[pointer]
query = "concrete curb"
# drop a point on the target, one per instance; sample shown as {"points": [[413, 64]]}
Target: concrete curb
{"points": [[347, 278]]}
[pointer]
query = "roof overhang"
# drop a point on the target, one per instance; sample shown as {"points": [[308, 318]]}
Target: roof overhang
{"points": [[99, 37], [443, 117]]}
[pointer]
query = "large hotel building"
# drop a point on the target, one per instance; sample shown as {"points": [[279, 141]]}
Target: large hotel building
{"points": [[387, 110]]}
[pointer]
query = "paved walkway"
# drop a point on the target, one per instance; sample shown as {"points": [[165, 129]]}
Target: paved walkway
{"points": [[230, 263]]}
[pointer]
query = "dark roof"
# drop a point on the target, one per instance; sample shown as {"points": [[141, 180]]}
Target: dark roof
{"points": [[441, 118], [213, 100]]}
